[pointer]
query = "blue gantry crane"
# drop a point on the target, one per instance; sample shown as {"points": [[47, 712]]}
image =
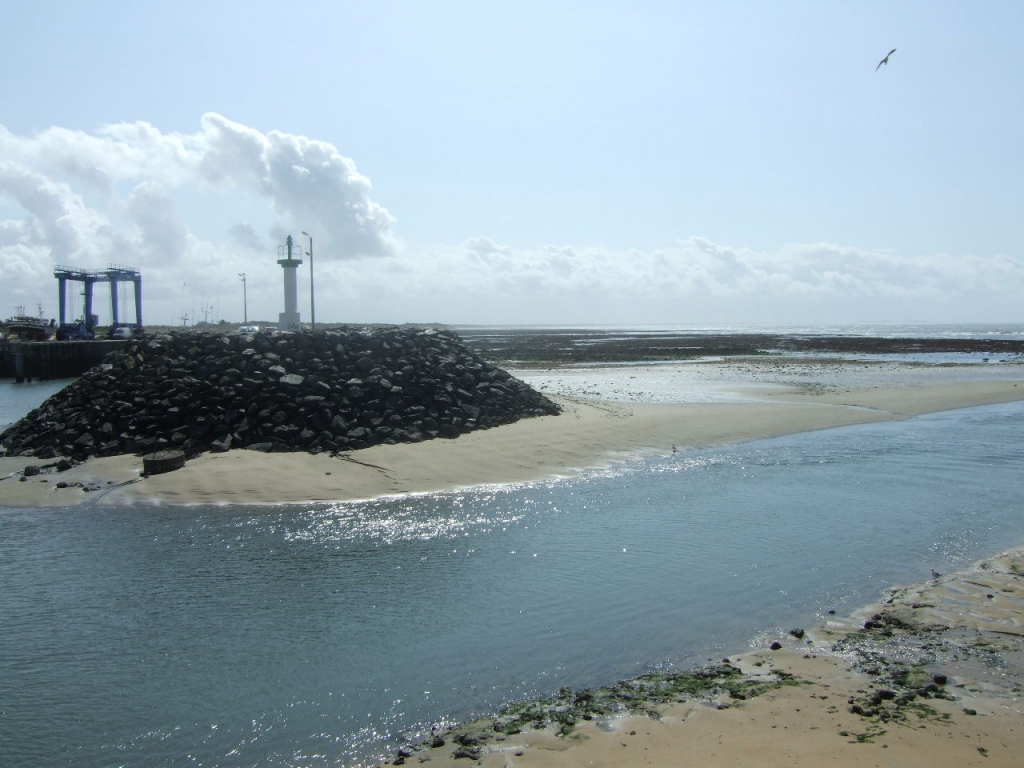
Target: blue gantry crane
{"points": [[113, 274]]}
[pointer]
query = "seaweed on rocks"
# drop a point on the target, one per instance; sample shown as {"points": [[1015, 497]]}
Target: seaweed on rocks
{"points": [[322, 391], [646, 695], [899, 654]]}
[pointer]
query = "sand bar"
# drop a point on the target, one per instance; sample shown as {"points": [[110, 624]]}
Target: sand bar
{"points": [[609, 415]]}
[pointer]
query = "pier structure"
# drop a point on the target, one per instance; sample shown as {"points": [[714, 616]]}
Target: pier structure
{"points": [[289, 257], [113, 274], [40, 360]]}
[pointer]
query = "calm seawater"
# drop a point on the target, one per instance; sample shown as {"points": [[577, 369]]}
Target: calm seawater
{"points": [[18, 399], [324, 635]]}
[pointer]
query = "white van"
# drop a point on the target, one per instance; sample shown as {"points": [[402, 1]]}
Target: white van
{"points": [[248, 329]]}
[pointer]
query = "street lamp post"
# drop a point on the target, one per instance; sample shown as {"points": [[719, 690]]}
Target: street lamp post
{"points": [[245, 301], [312, 299]]}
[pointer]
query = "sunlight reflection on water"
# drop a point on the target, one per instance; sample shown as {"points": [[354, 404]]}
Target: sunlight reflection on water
{"points": [[323, 634]]}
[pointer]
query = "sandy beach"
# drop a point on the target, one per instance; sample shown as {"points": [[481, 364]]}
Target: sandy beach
{"points": [[609, 414], [838, 693]]}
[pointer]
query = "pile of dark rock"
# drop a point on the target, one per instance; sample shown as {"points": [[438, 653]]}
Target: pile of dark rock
{"points": [[324, 391]]}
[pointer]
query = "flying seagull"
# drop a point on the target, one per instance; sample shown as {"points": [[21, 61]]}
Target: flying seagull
{"points": [[886, 59]]}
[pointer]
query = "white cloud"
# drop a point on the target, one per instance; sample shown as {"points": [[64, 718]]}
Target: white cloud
{"points": [[131, 194], [244, 234], [163, 236], [58, 219], [693, 281], [186, 208], [306, 180], [487, 250]]}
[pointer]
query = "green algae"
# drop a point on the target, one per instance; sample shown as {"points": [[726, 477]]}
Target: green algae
{"points": [[644, 695]]}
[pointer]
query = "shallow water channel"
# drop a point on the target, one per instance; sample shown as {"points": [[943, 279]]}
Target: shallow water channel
{"points": [[324, 635]]}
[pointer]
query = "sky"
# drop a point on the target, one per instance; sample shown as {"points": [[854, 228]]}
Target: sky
{"points": [[558, 163]]}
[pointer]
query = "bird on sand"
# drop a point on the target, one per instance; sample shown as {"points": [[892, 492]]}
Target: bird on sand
{"points": [[886, 59]]}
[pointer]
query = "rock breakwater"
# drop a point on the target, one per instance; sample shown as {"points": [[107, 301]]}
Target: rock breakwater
{"points": [[325, 391]]}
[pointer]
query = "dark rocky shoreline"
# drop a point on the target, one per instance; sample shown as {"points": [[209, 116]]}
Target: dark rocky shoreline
{"points": [[567, 346], [324, 391]]}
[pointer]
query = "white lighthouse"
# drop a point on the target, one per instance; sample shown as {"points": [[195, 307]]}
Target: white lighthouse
{"points": [[289, 319]]}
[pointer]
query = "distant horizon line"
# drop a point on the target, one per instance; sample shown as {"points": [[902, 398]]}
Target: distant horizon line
{"points": [[606, 326]]}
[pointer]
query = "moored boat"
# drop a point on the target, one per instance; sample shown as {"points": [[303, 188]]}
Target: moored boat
{"points": [[27, 328]]}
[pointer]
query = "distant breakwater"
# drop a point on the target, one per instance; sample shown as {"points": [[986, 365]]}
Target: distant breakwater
{"points": [[580, 346], [324, 391]]}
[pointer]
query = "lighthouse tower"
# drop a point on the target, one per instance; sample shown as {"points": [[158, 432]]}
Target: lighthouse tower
{"points": [[289, 319]]}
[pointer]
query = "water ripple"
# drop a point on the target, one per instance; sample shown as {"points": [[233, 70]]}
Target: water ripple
{"points": [[324, 635]]}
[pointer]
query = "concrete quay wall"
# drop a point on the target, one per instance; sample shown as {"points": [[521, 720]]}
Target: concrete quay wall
{"points": [[28, 360]]}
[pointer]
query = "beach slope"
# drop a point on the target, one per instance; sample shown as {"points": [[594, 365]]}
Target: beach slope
{"points": [[748, 399]]}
